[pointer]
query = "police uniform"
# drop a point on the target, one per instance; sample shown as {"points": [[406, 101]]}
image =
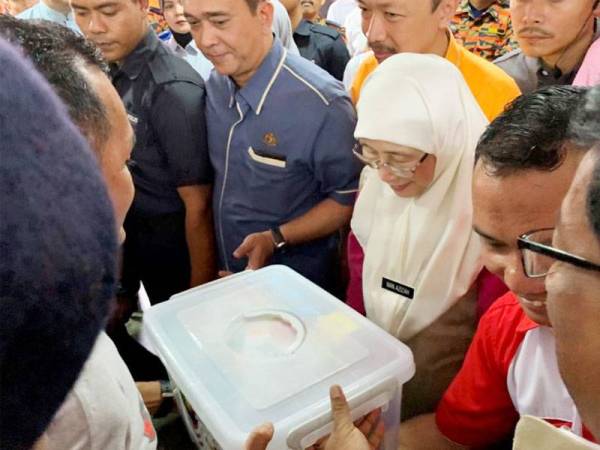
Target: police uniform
{"points": [[322, 45], [280, 146], [530, 73], [164, 99]]}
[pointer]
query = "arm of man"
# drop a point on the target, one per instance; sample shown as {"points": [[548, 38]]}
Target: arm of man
{"points": [[338, 58], [180, 126], [199, 232], [337, 171], [422, 433]]}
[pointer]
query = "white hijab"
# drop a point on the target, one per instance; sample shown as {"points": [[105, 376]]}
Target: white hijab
{"points": [[425, 243]]}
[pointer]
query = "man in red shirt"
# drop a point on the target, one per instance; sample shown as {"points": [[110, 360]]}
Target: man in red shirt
{"points": [[525, 165]]}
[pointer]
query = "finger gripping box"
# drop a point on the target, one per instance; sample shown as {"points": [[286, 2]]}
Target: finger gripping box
{"points": [[266, 346]]}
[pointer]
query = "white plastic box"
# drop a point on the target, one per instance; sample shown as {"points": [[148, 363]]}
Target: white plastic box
{"points": [[266, 346]]}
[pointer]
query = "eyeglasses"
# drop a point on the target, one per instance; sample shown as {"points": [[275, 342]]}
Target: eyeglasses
{"points": [[538, 254], [398, 169]]}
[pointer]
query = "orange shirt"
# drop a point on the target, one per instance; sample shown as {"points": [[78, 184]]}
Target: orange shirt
{"points": [[490, 85]]}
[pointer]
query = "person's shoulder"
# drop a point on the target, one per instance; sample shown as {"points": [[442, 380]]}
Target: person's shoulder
{"points": [[167, 67], [325, 31], [29, 13], [495, 76], [311, 77], [511, 60], [505, 314]]}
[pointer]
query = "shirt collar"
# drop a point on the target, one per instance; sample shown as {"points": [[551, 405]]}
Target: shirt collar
{"points": [[492, 10], [258, 87], [134, 62], [545, 74], [52, 14], [453, 53], [303, 28]]}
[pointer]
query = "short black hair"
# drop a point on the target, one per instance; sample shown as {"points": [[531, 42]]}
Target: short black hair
{"points": [[593, 197], [585, 125], [60, 55], [531, 133]]}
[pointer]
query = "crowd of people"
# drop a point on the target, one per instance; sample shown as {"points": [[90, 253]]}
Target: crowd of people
{"points": [[435, 164]]}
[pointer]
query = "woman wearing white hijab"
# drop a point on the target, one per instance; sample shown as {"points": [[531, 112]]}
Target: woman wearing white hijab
{"points": [[418, 126]]}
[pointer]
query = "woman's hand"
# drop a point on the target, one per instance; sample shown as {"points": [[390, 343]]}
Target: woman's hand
{"points": [[367, 434]]}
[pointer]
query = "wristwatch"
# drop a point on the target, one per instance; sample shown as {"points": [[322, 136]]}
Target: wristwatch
{"points": [[166, 390], [278, 238]]}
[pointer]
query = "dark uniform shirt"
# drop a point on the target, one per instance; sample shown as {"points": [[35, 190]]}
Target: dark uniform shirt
{"points": [[164, 99], [322, 45]]}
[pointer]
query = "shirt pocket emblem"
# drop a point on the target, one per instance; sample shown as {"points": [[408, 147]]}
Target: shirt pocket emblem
{"points": [[268, 159], [270, 139]]}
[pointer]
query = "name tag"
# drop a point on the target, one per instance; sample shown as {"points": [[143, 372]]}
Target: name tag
{"points": [[398, 288]]}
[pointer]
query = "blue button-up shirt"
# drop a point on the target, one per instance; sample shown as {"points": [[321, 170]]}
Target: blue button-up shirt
{"points": [[279, 146], [41, 11]]}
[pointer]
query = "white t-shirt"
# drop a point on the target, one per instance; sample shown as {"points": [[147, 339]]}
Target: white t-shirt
{"points": [[104, 410]]}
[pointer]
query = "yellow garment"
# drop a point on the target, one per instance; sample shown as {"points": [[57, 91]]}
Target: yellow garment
{"points": [[490, 85]]}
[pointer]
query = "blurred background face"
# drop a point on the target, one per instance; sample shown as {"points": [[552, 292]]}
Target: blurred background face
{"points": [[545, 27], [173, 12], [234, 38], [398, 26], [115, 26], [507, 207], [403, 157], [15, 7], [311, 8]]}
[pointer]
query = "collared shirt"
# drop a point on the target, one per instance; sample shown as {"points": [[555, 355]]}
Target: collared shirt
{"points": [[488, 34], [192, 55], [322, 45], [41, 11], [510, 370], [491, 87], [589, 72], [164, 99], [279, 146], [530, 73]]}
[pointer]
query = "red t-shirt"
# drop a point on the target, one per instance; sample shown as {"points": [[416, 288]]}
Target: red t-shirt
{"points": [[509, 370]]}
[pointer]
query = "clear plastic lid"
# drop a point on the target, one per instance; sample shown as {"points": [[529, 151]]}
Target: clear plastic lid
{"points": [[265, 346]]}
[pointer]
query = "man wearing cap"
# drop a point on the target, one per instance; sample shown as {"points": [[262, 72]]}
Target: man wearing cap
{"points": [[280, 140], [553, 38]]}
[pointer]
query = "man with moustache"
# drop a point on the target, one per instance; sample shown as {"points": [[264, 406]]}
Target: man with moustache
{"points": [[421, 26], [525, 165], [553, 37]]}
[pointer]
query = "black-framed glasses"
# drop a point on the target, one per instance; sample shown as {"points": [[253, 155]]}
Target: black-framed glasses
{"points": [[538, 254]]}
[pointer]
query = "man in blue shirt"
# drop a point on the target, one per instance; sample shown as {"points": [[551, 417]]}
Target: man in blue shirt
{"points": [[57, 11], [280, 136]]}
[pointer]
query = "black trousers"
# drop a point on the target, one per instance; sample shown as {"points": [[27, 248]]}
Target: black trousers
{"points": [[155, 253]]}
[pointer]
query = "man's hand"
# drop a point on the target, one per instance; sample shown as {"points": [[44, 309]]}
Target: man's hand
{"points": [[258, 248], [345, 435], [150, 392], [260, 437]]}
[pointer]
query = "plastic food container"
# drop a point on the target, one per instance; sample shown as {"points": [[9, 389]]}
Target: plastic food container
{"points": [[266, 346]]}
